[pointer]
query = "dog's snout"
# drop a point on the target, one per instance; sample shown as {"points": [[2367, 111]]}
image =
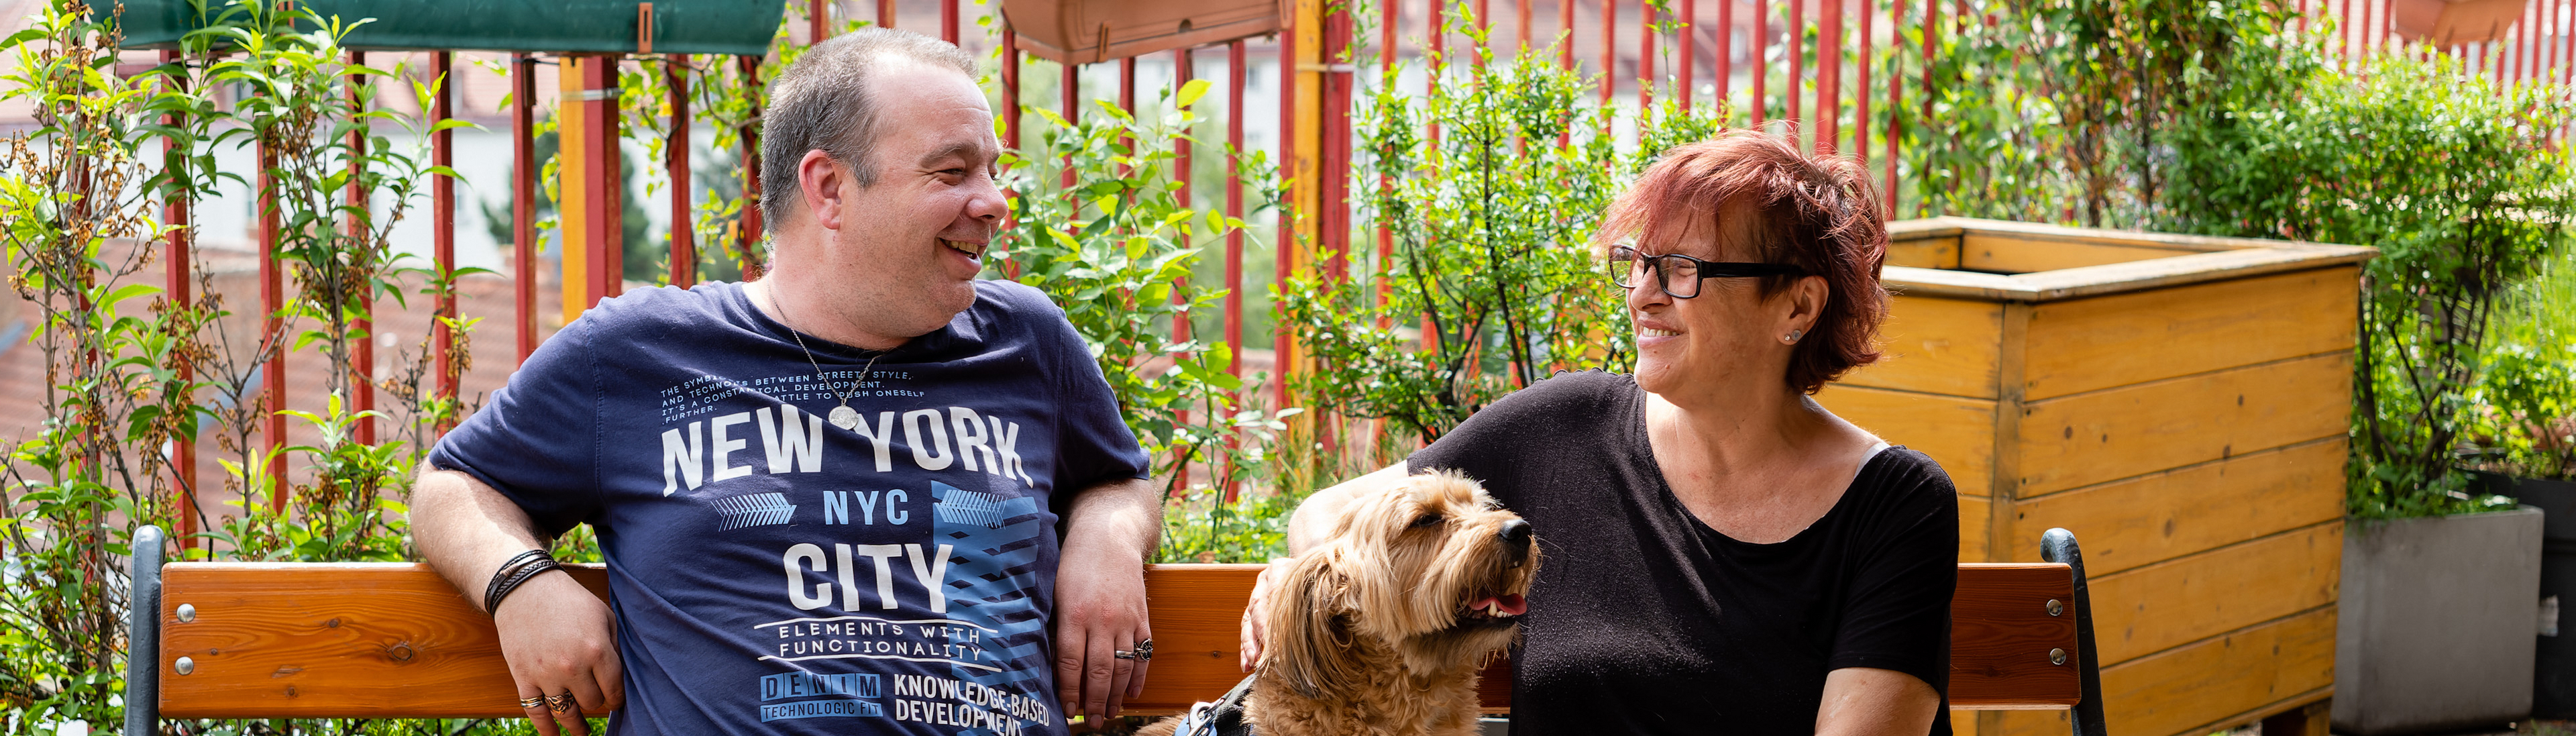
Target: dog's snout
{"points": [[1516, 535]]}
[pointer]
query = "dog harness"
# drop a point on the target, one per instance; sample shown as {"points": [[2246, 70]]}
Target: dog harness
{"points": [[1221, 718]]}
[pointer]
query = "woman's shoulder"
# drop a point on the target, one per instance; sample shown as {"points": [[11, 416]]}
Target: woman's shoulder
{"points": [[1903, 483]]}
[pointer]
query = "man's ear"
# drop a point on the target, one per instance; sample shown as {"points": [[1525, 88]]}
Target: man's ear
{"points": [[819, 179]]}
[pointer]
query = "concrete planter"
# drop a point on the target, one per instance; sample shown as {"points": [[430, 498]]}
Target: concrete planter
{"points": [[2438, 621], [2553, 690]]}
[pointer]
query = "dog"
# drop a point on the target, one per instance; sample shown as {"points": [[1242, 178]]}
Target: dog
{"points": [[1382, 629]]}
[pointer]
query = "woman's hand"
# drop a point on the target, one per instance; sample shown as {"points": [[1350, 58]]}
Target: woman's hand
{"points": [[1252, 629]]}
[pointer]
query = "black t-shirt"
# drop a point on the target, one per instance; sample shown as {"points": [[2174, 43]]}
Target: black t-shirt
{"points": [[1645, 620]]}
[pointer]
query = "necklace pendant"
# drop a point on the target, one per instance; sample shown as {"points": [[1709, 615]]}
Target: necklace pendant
{"points": [[845, 417]]}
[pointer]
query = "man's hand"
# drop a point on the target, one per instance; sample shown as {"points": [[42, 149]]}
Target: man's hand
{"points": [[558, 638], [1100, 596]]}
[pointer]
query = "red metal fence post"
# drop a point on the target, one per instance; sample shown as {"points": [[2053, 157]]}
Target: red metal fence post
{"points": [[442, 208], [948, 20], [1829, 76], [1895, 101], [1283, 248], [1797, 66], [748, 237], [885, 13], [1725, 67], [684, 231], [1334, 213], [362, 351], [1861, 96], [818, 20], [1010, 87], [1182, 73], [1761, 58], [523, 199], [602, 190], [1565, 30], [1645, 58], [181, 284], [1609, 49], [1235, 61], [1072, 88], [272, 299], [1689, 52]]}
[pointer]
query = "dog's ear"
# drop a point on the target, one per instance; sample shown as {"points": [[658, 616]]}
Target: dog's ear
{"points": [[1309, 646]]}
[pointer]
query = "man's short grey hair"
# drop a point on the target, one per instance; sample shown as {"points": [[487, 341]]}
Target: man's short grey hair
{"points": [[821, 103]]}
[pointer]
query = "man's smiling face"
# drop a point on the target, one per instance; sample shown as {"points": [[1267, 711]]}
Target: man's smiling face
{"points": [[912, 242]]}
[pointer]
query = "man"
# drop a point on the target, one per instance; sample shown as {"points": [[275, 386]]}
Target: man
{"points": [[829, 499]]}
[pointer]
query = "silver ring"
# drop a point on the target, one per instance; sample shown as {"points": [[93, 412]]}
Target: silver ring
{"points": [[1144, 652]]}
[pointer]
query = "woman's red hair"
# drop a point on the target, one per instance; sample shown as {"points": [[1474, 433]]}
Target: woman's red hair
{"points": [[1818, 213]]}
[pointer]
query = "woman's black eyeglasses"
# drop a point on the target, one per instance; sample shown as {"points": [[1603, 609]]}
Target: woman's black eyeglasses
{"points": [[1679, 275]]}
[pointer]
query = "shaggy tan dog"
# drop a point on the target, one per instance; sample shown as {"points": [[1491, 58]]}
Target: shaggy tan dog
{"points": [[1381, 629]]}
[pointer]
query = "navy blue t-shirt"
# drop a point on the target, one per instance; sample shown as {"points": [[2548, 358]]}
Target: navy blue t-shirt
{"points": [[774, 574]]}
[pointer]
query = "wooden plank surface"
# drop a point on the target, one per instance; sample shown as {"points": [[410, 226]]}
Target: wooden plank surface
{"points": [[1931, 252], [2174, 693], [1958, 226], [2075, 441], [2167, 515], [2018, 253], [1956, 432], [2176, 602], [352, 640], [2000, 635], [2082, 345], [381, 640], [1973, 519], [1197, 613], [1939, 346]]}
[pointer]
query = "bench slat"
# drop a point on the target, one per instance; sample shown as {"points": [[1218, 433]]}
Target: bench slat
{"points": [[383, 640]]}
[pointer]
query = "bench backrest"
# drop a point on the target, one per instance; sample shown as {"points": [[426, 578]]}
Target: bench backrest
{"points": [[384, 640]]}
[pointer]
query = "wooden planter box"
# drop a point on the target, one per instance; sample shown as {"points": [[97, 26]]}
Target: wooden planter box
{"points": [[2179, 402]]}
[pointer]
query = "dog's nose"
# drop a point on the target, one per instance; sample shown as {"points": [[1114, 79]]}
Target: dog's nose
{"points": [[1516, 535]]}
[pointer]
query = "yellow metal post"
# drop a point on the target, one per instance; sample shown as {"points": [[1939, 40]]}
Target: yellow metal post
{"points": [[1305, 168], [570, 206]]}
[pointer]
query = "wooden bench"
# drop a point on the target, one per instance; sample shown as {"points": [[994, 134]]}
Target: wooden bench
{"points": [[394, 640]]}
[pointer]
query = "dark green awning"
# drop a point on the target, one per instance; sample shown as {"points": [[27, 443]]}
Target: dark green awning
{"points": [[738, 27]]}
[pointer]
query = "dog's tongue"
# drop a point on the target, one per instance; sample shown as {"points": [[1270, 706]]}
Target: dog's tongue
{"points": [[1510, 605]]}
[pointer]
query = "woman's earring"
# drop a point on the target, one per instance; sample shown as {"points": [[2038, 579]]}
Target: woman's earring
{"points": [[1792, 337]]}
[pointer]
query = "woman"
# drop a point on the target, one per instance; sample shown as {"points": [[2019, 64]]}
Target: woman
{"points": [[1723, 554]]}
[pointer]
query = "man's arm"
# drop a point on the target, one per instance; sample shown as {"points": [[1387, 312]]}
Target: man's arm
{"points": [[557, 637], [1111, 530]]}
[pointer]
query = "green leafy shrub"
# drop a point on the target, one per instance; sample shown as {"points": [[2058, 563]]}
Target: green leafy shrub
{"points": [[2459, 186], [2066, 110], [1485, 284]]}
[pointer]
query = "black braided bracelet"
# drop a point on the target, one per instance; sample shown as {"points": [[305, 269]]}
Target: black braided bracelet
{"points": [[492, 590], [520, 569]]}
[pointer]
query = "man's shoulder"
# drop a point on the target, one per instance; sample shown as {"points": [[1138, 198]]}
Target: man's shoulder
{"points": [[654, 310], [1015, 299]]}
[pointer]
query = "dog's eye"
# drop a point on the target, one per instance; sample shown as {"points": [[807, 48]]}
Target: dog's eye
{"points": [[1426, 520]]}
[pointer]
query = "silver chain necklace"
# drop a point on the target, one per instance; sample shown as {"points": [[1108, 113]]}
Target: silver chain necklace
{"points": [[842, 416]]}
